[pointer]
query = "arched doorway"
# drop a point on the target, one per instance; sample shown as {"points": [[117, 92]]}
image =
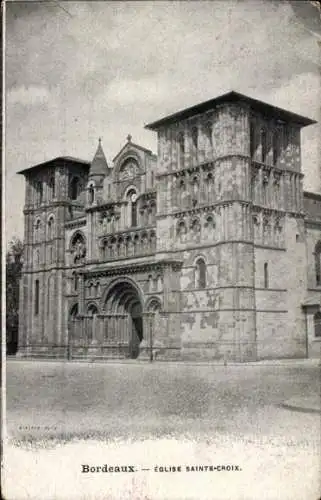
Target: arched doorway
{"points": [[123, 307]]}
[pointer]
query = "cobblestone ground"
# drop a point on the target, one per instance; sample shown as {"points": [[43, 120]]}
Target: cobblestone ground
{"points": [[61, 416]]}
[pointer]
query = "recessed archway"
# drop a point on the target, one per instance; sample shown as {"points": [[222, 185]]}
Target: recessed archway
{"points": [[123, 303]]}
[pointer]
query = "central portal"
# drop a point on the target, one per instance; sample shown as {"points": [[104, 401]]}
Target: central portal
{"points": [[123, 301]]}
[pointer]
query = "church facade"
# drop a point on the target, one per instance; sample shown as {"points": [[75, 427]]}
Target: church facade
{"points": [[209, 250]]}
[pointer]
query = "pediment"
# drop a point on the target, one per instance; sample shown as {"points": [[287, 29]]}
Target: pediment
{"points": [[130, 147]]}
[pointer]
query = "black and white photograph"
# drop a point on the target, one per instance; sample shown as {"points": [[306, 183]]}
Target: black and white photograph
{"points": [[162, 250]]}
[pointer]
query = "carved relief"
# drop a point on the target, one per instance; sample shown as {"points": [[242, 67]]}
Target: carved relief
{"points": [[128, 170], [78, 249]]}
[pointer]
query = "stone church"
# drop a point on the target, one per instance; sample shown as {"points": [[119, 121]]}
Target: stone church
{"points": [[208, 251]]}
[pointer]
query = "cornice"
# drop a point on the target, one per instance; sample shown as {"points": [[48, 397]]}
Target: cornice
{"points": [[133, 268], [280, 212], [104, 206], [125, 232], [211, 163], [75, 223], [32, 208], [203, 208]]}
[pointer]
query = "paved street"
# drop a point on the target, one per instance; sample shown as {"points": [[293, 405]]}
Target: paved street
{"points": [[165, 413]]}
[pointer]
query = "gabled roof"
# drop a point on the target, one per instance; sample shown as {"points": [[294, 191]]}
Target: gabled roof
{"points": [[99, 164], [232, 96], [130, 144], [68, 159]]}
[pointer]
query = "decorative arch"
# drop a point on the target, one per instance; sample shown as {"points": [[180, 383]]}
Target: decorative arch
{"points": [[196, 225], [152, 239], [209, 177], [122, 281], [92, 309], [144, 238], [75, 236], [74, 187], [73, 323], [103, 245], [129, 190], [131, 196], [208, 128], [37, 229], [50, 224], [52, 187], [97, 287], [77, 247], [129, 155], [194, 135], [200, 272], [153, 304], [51, 216], [152, 211], [150, 283], [210, 221], [129, 167], [181, 229], [74, 311], [195, 179], [90, 287], [39, 192], [123, 300]]}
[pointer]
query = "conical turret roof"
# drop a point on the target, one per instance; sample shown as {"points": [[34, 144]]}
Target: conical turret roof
{"points": [[99, 164]]}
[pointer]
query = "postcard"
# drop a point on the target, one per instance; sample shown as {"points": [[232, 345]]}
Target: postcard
{"points": [[162, 236]]}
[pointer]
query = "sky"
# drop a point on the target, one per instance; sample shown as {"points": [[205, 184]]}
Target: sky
{"points": [[76, 71]]}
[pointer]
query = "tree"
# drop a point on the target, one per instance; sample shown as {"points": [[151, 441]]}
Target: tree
{"points": [[14, 261]]}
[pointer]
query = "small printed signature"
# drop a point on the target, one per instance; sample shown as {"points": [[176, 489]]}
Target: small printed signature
{"points": [[37, 428]]}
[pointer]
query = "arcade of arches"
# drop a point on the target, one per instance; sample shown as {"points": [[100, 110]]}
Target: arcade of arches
{"points": [[122, 325]]}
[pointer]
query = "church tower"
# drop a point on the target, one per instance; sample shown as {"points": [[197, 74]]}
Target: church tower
{"points": [[54, 193], [229, 197]]}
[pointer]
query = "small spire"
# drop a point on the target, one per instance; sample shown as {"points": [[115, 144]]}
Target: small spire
{"points": [[99, 164], [129, 138]]}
